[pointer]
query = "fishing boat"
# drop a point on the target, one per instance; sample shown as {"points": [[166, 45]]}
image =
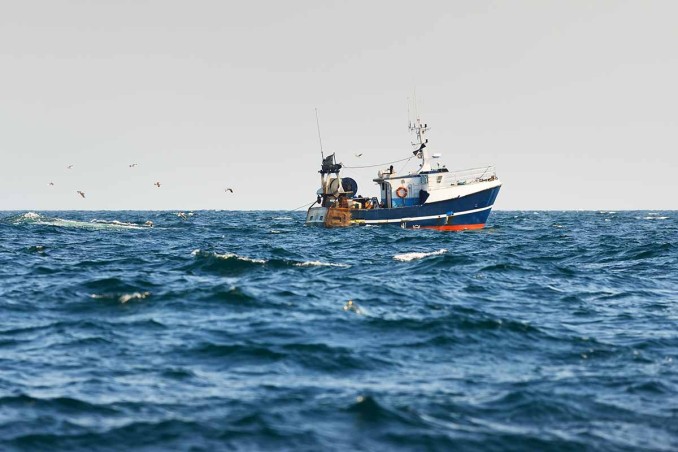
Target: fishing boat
{"points": [[432, 197]]}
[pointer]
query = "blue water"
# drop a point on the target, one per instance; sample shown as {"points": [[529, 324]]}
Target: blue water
{"points": [[233, 330]]}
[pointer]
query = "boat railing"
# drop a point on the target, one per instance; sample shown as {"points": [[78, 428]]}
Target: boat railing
{"points": [[462, 177]]}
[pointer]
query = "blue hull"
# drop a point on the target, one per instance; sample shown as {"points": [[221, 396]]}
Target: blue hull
{"points": [[467, 212]]}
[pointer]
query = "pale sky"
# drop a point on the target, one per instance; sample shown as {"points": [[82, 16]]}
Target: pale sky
{"points": [[575, 102]]}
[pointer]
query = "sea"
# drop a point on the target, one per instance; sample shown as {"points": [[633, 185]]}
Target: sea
{"points": [[226, 330]]}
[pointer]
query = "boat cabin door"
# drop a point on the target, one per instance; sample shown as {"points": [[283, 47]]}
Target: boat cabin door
{"points": [[386, 194]]}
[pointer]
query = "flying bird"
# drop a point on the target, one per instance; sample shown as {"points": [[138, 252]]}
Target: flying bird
{"points": [[69, 167], [81, 193], [229, 189], [132, 165], [51, 184], [358, 155], [157, 184]]}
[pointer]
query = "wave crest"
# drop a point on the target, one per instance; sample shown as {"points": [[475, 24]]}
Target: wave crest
{"points": [[227, 256], [33, 218], [122, 298], [320, 264], [406, 257], [238, 260]]}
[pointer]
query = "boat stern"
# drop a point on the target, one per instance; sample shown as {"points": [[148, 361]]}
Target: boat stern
{"points": [[316, 216], [330, 217]]}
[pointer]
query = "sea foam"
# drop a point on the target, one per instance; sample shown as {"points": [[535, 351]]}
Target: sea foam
{"points": [[406, 257]]}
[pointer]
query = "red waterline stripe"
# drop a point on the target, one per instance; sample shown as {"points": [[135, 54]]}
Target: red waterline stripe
{"points": [[455, 227]]}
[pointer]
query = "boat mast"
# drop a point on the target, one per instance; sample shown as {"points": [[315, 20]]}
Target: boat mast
{"points": [[317, 123], [420, 145]]}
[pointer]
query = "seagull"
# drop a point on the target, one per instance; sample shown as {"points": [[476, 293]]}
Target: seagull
{"points": [[81, 193], [69, 167], [51, 184], [157, 184], [229, 189], [358, 155], [133, 165], [351, 306]]}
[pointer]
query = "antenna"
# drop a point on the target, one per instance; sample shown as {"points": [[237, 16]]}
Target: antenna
{"points": [[409, 117], [416, 112], [317, 123]]}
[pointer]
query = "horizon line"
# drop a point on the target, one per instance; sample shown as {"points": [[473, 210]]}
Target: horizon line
{"points": [[301, 210]]}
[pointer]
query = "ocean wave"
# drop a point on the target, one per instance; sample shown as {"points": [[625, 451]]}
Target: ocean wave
{"points": [[227, 256], [406, 257], [250, 342], [367, 407], [122, 224], [28, 217], [238, 259], [122, 298], [63, 404], [320, 264], [33, 218]]}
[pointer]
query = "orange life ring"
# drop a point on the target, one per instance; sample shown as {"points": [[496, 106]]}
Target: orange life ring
{"points": [[401, 192]]}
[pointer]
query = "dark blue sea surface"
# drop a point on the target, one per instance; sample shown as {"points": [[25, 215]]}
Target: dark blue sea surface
{"points": [[234, 331]]}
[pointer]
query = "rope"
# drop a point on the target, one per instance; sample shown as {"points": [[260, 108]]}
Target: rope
{"points": [[405, 164], [481, 176], [380, 164], [305, 205]]}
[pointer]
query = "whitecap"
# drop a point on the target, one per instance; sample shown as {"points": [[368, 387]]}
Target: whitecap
{"points": [[31, 216], [240, 258], [37, 219], [406, 257], [28, 217], [320, 264], [121, 224], [656, 218], [283, 218], [227, 256], [122, 298]]}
